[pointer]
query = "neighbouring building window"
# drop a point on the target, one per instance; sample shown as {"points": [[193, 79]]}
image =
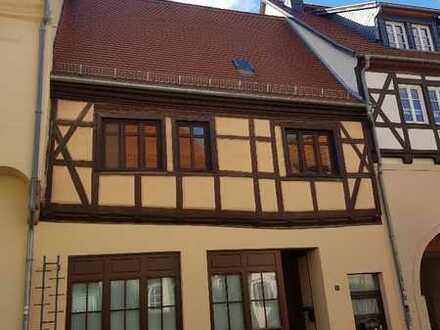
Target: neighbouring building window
{"points": [[310, 152], [244, 297], [422, 37], [412, 104], [397, 37], [434, 98], [367, 301], [194, 152], [133, 292], [131, 145]]}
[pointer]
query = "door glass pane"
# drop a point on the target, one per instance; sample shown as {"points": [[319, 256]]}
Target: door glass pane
{"points": [[169, 318], [154, 316], [270, 286], [111, 151], [132, 294], [78, 322], [220, 317], [95, 297], [151, 152], [131, 152], [79, 297], [168, 289], [365, 306], [258, 315], [236, 316], [94, 321], [117, 294], [185, 152], [234, 288], [117, 321], [272, 314], [199, 153], [154, 293], [132, 320], [218, 288]]}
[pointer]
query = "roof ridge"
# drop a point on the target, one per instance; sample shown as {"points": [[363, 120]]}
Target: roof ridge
{"points": [[209, 8]]}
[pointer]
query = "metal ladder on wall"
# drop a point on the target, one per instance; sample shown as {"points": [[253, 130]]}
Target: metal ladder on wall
{"points": [[50, 279]]}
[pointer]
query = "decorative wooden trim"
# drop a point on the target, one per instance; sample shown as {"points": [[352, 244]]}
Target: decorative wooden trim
{"points": [[254, 162]]}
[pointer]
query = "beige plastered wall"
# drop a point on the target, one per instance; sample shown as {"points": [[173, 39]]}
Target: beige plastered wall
{"points": [[337, 252], [13, 211], [413, 196]]}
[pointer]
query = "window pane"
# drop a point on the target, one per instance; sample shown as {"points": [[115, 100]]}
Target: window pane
{"points": [[363, 282], [310, 160], [270, 286], [132, 294], [78, 322], [169, 318], [234, 288], [218, 288], [117, 320], [154, 322], [111, 151], [294, 158], [220, 317], [150, 130], [95, 297], [131, 129], [272, 314], [325, 158], [365, 306], [131, 152], [111, 129], [255, 286], [168, 289], [117, 295], [198, 131], [236, 316], [185, 152], [184, 131], [257, 315], [154, 293], [199, 153], [390, 33], [151, 153], [79, 297], [132, 320], [94, 321]]}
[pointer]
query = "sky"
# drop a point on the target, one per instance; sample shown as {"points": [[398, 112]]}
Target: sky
{"points": [[253, 5]]}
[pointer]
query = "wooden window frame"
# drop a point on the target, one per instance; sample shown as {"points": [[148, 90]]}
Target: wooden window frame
{"points": [[376, 294], [334, 148], [422, 100], [209, 143], [393, 26], [243, 269], [436, 91], [144, 266], [418, 28], [99, 151]]}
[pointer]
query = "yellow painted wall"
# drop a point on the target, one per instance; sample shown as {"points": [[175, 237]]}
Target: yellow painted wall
{"points": [[339, 252], [13, 221]]}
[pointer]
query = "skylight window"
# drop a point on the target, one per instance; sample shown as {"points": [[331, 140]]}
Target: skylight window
{"points": [[243, 66]]}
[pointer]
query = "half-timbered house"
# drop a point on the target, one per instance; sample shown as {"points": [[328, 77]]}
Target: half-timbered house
{"points": [[205, 171], [393, 49]]}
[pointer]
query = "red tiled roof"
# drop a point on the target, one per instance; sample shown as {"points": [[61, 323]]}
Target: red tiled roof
{"points": [[352, 39], [178, 39]]}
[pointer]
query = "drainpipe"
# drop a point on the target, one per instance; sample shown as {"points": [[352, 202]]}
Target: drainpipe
{"points": [[34, 199], [384, 200]]}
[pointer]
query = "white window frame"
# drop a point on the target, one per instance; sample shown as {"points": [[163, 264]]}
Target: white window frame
{"points": [[412, 107], [436, 90], [393, 26], [417, 31]]}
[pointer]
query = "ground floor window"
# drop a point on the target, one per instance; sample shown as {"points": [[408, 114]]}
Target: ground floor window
{"points": [[246, 290], [124, 292], [367, 302]]}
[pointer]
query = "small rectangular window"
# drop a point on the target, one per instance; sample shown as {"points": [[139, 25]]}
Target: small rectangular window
{"points": [[396, 33], [411, 98], [422, 37], [310, 152], [131, 145], [132, 294], [193, 146], [367, 301], [434, 98]]}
